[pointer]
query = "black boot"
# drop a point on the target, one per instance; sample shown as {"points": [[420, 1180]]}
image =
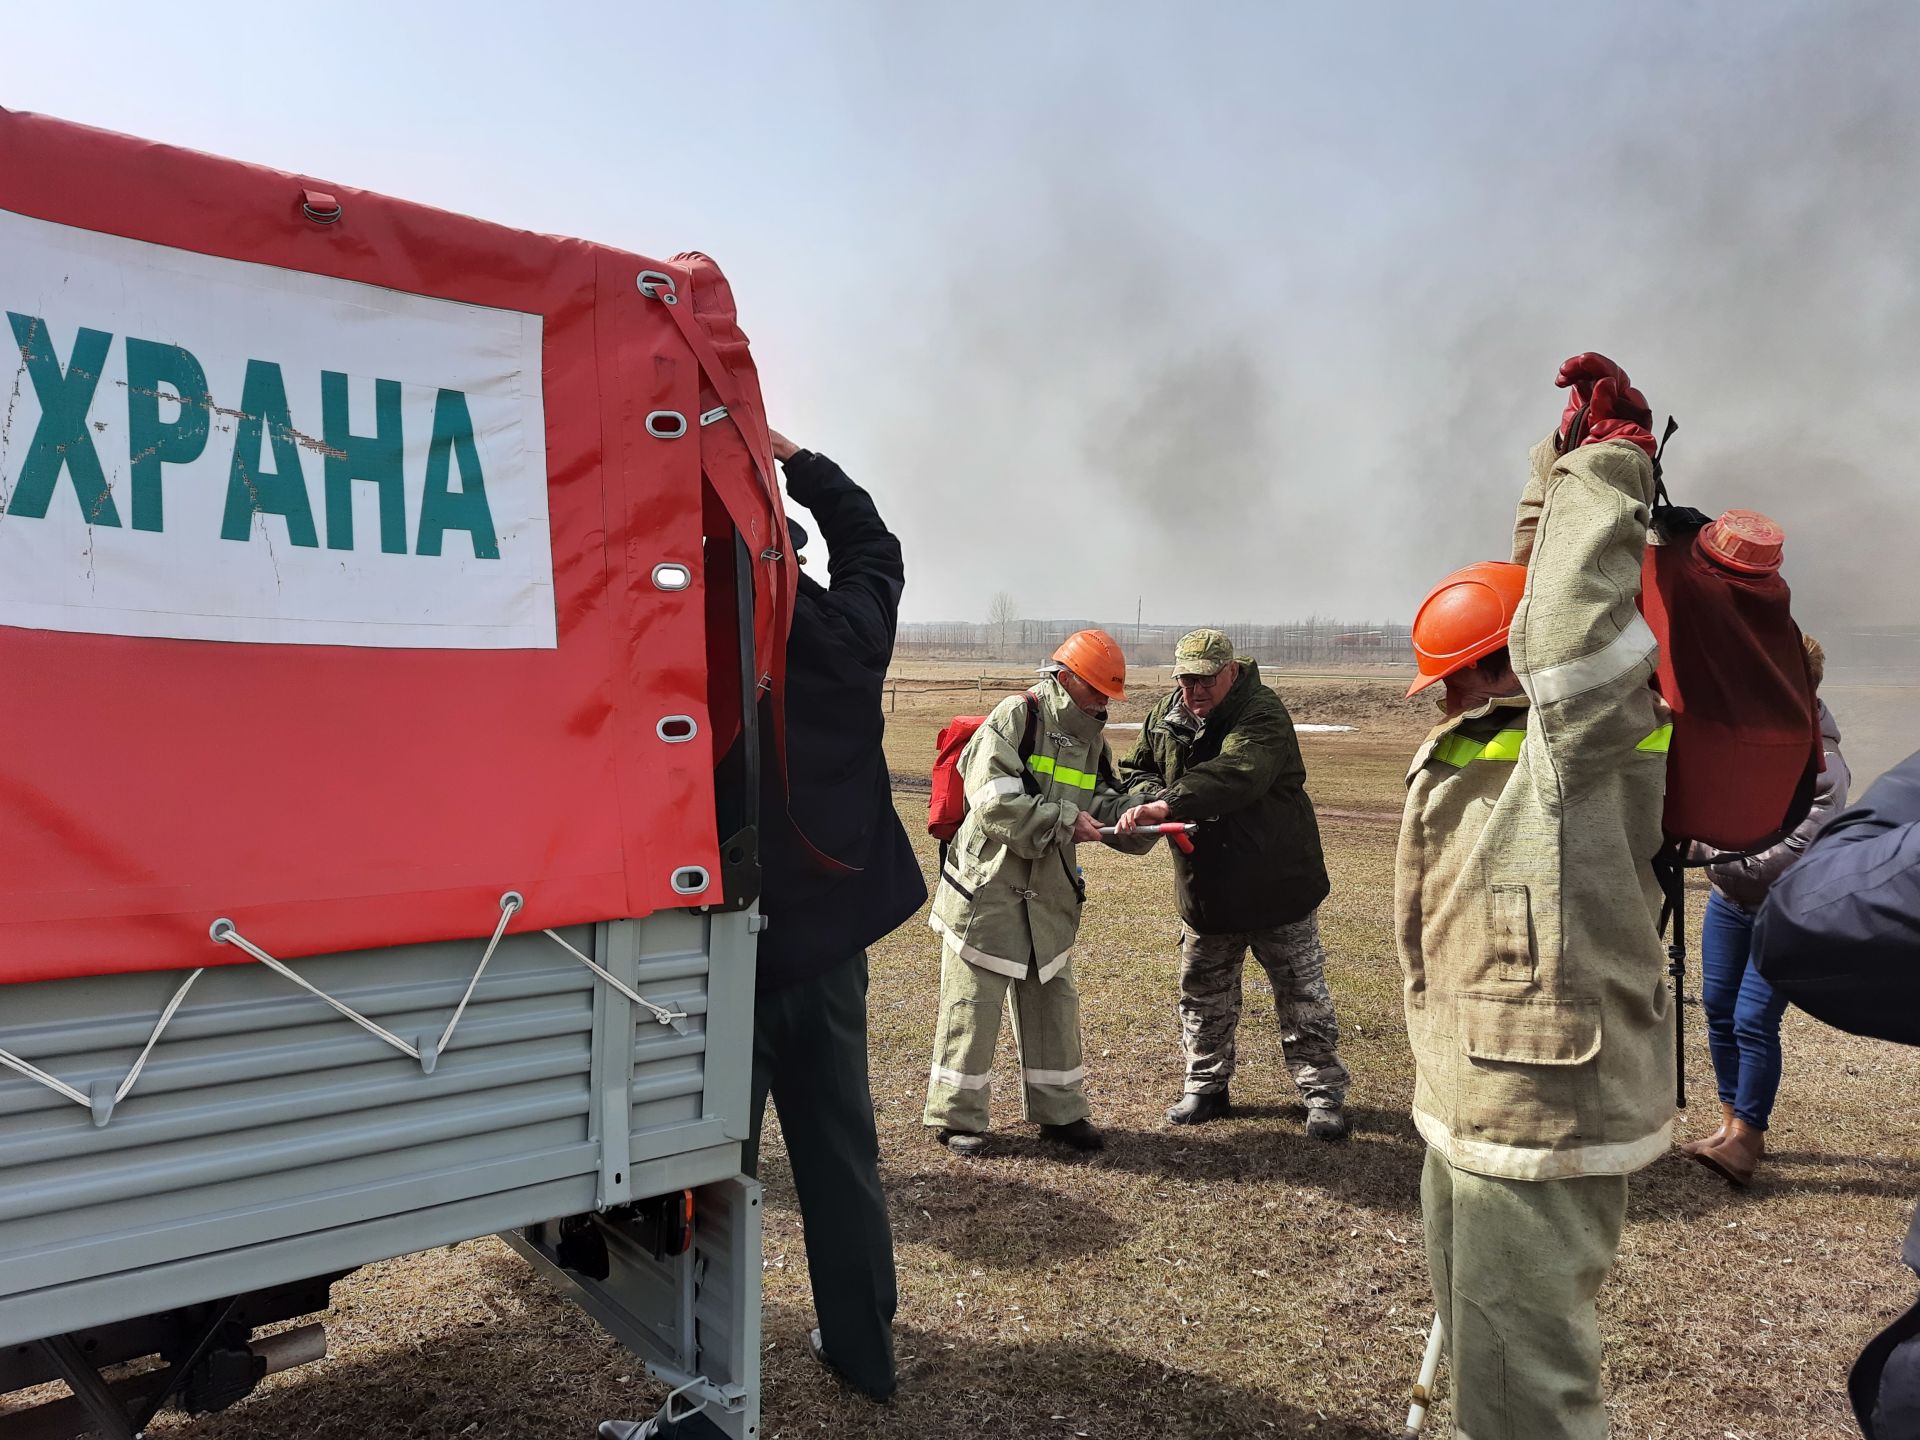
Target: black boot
{"points": [[1327, 1122], [1079, 1134], [962, 1142], [1200, 1107], [815, 1344]]}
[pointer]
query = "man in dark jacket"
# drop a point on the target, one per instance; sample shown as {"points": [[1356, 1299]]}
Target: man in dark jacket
{"points": [[1839, 936], [838, 874], [1221, 749]]}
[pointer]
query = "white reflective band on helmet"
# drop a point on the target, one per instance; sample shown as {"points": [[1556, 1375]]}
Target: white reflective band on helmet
{"points": [[1590, 672], [999, 786], [959, 1081], [1055, 1077]]}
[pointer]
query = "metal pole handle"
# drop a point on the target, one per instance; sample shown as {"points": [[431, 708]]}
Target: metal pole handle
{"points": [[1181, 835]]}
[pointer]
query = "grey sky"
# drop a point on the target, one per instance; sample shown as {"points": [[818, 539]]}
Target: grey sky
{"points": [[1252, 310]]}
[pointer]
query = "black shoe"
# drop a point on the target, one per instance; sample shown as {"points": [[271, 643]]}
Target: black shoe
{"points": [[1079, 1134], [879, 1397], [963, 1142], [630, 1429], [1200, 1107], [1326, 1122]]}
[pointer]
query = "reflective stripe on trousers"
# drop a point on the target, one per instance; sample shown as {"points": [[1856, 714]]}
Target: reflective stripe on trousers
{"points": [[1046, 1030]]}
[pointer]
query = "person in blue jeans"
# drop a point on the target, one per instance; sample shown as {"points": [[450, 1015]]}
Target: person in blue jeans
{"points": [[1743, 1011]]}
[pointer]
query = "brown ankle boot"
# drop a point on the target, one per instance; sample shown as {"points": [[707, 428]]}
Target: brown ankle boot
{"points": [[1700, 1142], [1735, 1154]]}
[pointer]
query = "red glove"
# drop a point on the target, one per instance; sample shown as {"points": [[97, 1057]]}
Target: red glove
{"points": [[1615, 410], [1619, 413]]}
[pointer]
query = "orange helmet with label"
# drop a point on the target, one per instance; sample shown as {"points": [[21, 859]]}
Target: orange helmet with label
{"points": [[1095, 657], [1465, 618]]}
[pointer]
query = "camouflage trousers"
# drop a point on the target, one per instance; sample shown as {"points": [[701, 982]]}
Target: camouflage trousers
{"points": [[1210, 1004]]}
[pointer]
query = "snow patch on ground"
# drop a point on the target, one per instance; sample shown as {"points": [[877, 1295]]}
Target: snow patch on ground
{"points": [[1300, 729]]}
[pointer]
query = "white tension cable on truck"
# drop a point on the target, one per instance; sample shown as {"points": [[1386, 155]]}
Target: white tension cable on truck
{"points": [[223, 932]]}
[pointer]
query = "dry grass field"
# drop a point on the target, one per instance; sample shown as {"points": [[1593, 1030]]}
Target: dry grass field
{"points": [[1237, 1280]]}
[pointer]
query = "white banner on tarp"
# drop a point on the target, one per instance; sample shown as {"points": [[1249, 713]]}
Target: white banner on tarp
{"points": [[213, 450]]}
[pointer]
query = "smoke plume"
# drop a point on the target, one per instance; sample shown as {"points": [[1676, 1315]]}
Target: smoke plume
{"points": [[1279, 344]]}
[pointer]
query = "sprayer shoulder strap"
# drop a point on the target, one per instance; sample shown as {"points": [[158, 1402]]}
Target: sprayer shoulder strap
{"points": [[1029, 742], [1029, 737]]}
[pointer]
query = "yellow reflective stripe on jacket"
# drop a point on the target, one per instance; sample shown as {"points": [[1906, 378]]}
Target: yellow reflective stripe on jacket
{"points": [[1065, 774], [1460, 752], [1504, 746]]}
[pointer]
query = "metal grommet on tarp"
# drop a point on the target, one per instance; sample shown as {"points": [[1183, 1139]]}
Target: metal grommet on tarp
{"points": [[320, 207], [690, 880], [713, 416], [658, 285], [666, 424], [670, 575], [677, 729]]}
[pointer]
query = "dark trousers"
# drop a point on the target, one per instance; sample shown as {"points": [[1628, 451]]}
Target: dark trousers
{"points": [[1743, 1013], [810, 1055]]}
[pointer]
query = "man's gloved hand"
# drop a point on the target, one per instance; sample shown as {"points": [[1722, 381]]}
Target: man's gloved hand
{"points": [[1614, 409]]}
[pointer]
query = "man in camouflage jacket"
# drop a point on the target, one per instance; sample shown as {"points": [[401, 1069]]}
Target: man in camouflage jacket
{"points": [[1221, 749]]}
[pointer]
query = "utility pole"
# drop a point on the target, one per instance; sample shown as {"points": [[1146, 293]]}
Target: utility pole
{"points": [[1139, 606]]}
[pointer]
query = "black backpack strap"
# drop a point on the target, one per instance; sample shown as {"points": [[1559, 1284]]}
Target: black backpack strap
{"points": [[1030, 742], [1660, 495], [1670, 869]]}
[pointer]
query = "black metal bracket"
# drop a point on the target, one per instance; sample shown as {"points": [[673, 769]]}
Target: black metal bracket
{"points": [[740, 851], [111, 1417], [89, 1388]]}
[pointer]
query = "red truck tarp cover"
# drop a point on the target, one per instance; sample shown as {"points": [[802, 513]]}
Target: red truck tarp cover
{"points": [[330, 529]]}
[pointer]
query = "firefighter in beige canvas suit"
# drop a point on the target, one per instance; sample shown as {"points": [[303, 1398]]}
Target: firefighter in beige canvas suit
{"points": [[1527, 912], [1008, 906]]}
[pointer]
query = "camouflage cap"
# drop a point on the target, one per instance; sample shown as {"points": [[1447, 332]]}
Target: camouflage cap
{"points": [[1203, 652]]}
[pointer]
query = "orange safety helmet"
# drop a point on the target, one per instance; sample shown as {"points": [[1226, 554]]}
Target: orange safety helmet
{"points": [[1465, 618], [1095, 657]]}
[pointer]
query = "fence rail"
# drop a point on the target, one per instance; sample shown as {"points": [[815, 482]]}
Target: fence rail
{"points": [[1304, 642]]}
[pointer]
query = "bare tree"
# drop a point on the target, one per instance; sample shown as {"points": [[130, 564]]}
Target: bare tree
{"points": [[1003, 613]]}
